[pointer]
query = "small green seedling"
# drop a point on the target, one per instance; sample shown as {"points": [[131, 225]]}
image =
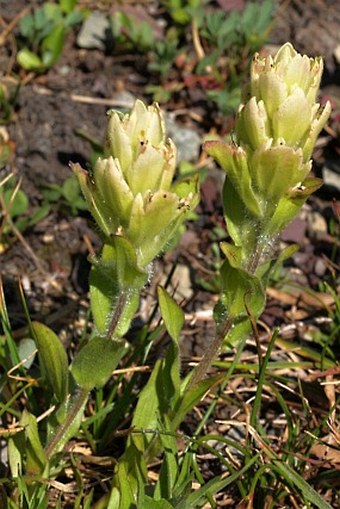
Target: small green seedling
{"points": [[44, 33], [229, 40], [67, 194], [14, 208]]}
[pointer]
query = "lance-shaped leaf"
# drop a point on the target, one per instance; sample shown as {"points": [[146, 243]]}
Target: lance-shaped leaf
{"points": [[172, 314], [53, 359], [34, 452], [99, 210], [95, 362]]}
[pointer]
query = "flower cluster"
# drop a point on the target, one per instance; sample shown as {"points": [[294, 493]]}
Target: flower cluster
{"points": [[276, 129], [130, 192]]}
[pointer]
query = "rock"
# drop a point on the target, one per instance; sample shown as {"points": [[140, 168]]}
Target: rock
{"points": [[187, 140], [295, 231], [123, 100], [320, 267], [336, 54], [94, 32], [180, 282], [331, 176], [317, 224]]}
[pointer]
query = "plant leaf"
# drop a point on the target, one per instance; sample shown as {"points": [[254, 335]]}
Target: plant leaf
{"points": [[94, 363], [19, 204], [35, 455], [53, 359], [306, 489], [29, 60], [172, 314]]}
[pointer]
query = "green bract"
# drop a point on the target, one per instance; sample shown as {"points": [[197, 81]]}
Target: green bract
{"points": [[131, 192]]}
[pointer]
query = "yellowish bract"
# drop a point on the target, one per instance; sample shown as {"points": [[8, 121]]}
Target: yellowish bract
{"points": [[131, 191], [276, 128]]}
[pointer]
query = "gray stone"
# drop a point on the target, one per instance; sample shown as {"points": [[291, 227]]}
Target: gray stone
{"points": [[123, 100], [187, 141], [317, 223], [320, 267], [331, 177], [336, 54], [93, 33]]}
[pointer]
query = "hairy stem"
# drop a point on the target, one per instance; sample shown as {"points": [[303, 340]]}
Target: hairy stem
{"points": [[223, 329], [203, 366], [79, 396], [117, 313], [78, 400]]}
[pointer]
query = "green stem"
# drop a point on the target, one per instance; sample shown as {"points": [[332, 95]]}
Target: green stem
{"points": [[117, 313], [223, 329], [79, 398], [203, 366]]}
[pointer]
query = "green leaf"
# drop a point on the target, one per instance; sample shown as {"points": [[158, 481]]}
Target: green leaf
{"points": [[290, 205], [20, 203], [172, 314], [27, 348], [71, 189], [169, 469], [235, 163], [198, 498], [39, 214], [67, 6], [160, 397], [241, 222], [26, 26], [150, 503], [16, 453], [240, 289], [103, 294], [116, 275], [95, 362], [51, 192], [50, 11], [29, 60], [53, 359], [52, 46], [191, 397], [147, 414], [306, 489], [129, 480], [64, 423], [73, 18], [35, 455]]}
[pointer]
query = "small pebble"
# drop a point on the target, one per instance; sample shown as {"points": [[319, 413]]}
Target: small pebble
{"points": [[320, 267]]}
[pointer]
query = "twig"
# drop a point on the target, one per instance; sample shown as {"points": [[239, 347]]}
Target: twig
{"points": [[11, 25]]}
